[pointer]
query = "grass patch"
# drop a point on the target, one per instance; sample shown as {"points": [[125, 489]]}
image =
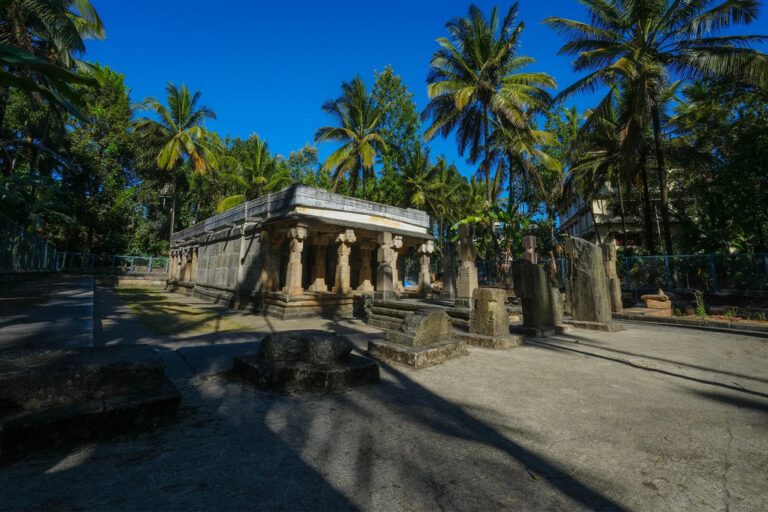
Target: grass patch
{"points": [[164, 316]]}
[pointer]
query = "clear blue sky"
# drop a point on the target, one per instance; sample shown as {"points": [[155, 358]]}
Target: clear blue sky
{"points": [[267, 67]]}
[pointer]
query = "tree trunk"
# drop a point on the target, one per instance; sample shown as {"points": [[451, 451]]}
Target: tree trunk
{"points": [[662, 178], [173, 208], [646, 203], [486, 162], [623, 215]]}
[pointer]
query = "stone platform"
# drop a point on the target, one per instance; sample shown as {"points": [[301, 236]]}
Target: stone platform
{"points": [[51, 397], [288, 377], [417, 357], [597, 326], [329, 305], [492, 342]]}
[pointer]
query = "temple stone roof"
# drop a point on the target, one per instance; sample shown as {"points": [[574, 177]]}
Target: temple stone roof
{"points": [[312, 204]]}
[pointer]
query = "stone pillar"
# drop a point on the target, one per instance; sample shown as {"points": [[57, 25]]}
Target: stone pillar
{"points": [[397, 279], [386, 269], [193, 277], [586, 288], [467, 280], [270, 271], [614, 285], [188, 265], [319, 244], [293, 272], [449, 272], [345, 241], [529, 249], [365, 266], [425, 278]]}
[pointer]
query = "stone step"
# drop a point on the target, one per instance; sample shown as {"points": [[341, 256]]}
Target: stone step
{"points": [[384, 322]]}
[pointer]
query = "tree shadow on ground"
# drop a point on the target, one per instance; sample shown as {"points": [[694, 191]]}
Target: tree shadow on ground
{"points": [[552, 344]]}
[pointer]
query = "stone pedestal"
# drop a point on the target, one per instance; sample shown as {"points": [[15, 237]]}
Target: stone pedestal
{"points": [[424, 251], [319, 267], [365, 267], [614, 285], [424, 338], [345, 241], [449, 272], [293, 272], [489, 321], [586, 287], [467, 279], [303, 361]]}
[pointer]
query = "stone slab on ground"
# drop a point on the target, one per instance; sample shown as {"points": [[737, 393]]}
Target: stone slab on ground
{"points": [[417, 357], [24, 431], [52, 311], [298, 377], [37, 379], [597, 326], [491, 342]]}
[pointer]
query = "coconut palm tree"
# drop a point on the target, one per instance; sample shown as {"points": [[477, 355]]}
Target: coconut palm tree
{"points": [[178, 135], [358, 116], [645, 42], [476, 76], [253, 171]]}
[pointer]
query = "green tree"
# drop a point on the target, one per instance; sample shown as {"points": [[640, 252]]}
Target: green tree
{"points": [[643, 43], [177, 135], [475, 76], [358, 117]]}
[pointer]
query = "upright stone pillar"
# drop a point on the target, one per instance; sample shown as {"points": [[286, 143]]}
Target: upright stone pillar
{"points": [[270, 271], [293, 273], [529, 249], [614, 286], [319, 245], [386, 269], [425, 278], [397, 244], [467, 280], [193, 277], [449, 272], [345, 241], [365, 266], [587, 287]]}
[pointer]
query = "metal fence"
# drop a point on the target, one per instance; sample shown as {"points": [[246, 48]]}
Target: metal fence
{"points": [[21, 251], [713, 272], [111, 264]]}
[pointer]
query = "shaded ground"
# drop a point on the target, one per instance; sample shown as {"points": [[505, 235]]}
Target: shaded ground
{"points": [[652, 418], [164, 316]]}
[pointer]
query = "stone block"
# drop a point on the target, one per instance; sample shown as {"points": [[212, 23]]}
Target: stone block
{"points": [[491, 342], [417, 357], [658, 304], [541, 302], [489, 316], [422, 328], [587, 287], [38, 379]]}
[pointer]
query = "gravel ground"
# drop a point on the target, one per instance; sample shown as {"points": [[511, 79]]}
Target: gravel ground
{"points": [[651, 418]]}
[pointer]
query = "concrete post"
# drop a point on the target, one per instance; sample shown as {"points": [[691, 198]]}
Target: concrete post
{"points": [[425, 279], [365, 266], [467, 280], [293, 271], [345, 241], [319, 268]]}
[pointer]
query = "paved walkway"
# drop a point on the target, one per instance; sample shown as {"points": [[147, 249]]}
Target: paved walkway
{"points": [[651, 418], [54, 311]]}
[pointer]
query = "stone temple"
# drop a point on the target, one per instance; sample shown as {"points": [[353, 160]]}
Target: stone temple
{"points": [[300, 252]]}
